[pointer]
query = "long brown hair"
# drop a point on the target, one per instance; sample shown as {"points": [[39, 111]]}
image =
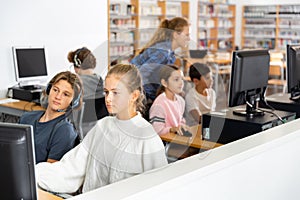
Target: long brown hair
{"points": [[165, 31]]}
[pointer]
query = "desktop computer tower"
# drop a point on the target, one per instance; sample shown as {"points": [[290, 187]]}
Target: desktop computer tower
{"points": [[282, 101], [26, 94], [225, 127]]}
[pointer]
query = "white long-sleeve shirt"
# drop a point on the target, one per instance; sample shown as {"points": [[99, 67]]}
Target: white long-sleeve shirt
{"points": [[200, 103], [113, 150]]}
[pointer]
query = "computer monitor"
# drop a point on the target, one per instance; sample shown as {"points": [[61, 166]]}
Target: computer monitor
{"points": [[249, 80], [18, 160], [30, 65], [293, 70], [198, 53]]}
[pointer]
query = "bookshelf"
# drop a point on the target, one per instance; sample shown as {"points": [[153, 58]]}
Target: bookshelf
{"points": [[121, 31], [133, 22], [271, 26], [147, 18], [216, 21], [288, 26], [149, 15]]}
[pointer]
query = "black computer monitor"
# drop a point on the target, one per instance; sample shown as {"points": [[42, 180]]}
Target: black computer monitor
{"points": [[293, 70], [249, 80], [30, 65], [17, 174]]}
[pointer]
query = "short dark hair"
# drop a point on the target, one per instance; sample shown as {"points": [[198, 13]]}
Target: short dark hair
{"points": [[197, 70]]}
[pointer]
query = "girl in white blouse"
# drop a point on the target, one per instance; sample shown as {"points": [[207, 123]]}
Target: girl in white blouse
{"points": [[118, 147]]}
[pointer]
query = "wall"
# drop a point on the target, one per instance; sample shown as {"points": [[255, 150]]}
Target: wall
{"points": [[60, 26]]}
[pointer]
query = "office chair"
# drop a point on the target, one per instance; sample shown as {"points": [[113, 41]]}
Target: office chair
{"points": [[94, 109]]}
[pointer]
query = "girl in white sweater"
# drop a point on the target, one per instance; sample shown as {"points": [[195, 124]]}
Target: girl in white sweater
{"points": [[118, 147]]}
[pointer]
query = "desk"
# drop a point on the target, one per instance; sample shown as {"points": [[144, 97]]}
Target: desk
{"points": [[194, 141], [43, 195], [18, 108]]}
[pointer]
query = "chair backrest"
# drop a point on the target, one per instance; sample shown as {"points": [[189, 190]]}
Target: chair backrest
{"points": [[76, 118], [275, 70], [94, 109]]}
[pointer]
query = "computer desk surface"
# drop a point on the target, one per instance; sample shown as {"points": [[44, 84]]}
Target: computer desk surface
{"points": [[43, 195], [19, 107], [194, 141]]}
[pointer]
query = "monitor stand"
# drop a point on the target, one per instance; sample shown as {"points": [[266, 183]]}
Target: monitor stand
{"points": [[250, 111], [243, 112]]}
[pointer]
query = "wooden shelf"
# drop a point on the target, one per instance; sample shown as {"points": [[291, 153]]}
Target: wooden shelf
{"points": [[216, 31], [132, 24], [276, 26]]}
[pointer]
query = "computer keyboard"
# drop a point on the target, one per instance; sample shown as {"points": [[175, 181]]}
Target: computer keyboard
{"points": [[8, 100]]}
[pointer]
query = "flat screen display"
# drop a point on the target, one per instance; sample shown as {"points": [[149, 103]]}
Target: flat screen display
{"points": [[30, 63], [17, 170]]}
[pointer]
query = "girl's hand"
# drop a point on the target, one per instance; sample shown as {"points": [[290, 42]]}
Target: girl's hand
{"points": [[186, 131], [185, 127], [176, 130]]}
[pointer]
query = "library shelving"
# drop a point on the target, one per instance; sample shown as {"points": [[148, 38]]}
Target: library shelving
{"points": [[133, 22], [121, 31], [148, 15], [270, 26], [216, 31], [147, 18], [288, 26]]}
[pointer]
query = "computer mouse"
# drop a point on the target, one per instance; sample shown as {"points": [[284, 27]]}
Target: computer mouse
{"points": [[186, 133]]}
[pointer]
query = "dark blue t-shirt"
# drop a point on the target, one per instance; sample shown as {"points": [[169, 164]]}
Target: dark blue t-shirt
{"points": [[62, 139]]}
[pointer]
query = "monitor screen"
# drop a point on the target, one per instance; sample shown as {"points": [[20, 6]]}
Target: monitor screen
{"points": [[249, 79], [18, 160], [293, 70], [30, 65]]}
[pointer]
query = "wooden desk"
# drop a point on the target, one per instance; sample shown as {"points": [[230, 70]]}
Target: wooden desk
{"points": [[194, 141], [43, 195], [18, 108], [221, 61]]}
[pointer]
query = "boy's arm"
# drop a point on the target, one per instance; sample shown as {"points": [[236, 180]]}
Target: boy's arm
{"points": [[196, 115]]}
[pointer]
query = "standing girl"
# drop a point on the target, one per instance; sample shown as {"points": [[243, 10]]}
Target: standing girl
{"points": [[159, 51], [118, 147], [166, 112]]}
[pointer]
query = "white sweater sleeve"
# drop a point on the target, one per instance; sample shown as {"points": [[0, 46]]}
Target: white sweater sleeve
{"points": [[65, 176]]}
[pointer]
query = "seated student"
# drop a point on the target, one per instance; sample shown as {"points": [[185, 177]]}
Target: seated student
{"points": [[54, 135], [166, 112], [118, 147], [201, 98], [84, 63]]}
